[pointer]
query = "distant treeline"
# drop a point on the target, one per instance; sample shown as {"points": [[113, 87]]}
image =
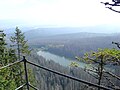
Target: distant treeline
{"points": [[71, 46]]}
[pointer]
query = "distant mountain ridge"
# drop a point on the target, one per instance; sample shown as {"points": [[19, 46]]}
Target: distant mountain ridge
{"points": [[70, 41], [33, 33], [62, 30], [70, 45], [85, 31]]}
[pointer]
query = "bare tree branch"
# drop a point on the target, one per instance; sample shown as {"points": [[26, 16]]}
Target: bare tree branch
{"points": [[114, 4], [109, 6], [113, 75], [91, 74], [113, 10], [118, 45], [114, 86], [108, 79], [91, 70]]}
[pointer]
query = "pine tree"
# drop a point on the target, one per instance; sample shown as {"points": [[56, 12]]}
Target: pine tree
{"points": [[20, 45], [20, 42], [11, 77], [22, 48], [97, 63], [2, 47], [6, 77]]}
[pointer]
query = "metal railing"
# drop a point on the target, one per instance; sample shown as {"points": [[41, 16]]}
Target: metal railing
{"points": [[50, 70]]}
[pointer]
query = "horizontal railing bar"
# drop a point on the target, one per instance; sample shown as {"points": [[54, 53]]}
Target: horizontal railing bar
{"points": [[33, 87], [68, 76], [20, 87], [10, 64]]}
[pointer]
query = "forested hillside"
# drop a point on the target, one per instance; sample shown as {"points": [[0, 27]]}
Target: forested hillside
{"points": [[59, 45], [49, 81], [70, 45]]}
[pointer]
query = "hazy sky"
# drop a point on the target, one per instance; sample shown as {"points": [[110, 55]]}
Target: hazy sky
{"points": [[65, 13]]}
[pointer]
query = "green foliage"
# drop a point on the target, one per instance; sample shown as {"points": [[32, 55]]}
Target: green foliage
{"points": [[12, 77], [74, 64], [22, 48], [6, 56], [6, 80], [98, 62], [19, 41], [106, 56]]}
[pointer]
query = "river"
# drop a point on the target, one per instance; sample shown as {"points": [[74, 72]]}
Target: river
{"points": [[58, 59]]}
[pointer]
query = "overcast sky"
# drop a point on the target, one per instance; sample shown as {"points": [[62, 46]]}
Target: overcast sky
{"points": [[62, 13]]}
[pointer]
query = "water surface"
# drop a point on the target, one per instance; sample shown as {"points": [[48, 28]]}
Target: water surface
{"points": [[58, 59]]}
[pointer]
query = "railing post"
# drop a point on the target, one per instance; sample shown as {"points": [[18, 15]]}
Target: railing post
{"points": [[26, 74]]}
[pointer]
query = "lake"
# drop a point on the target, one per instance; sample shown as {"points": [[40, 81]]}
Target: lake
{"points": [[58, 59]]}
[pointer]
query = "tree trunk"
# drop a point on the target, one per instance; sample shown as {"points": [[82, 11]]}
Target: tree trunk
{"points": [[100, 72]]}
